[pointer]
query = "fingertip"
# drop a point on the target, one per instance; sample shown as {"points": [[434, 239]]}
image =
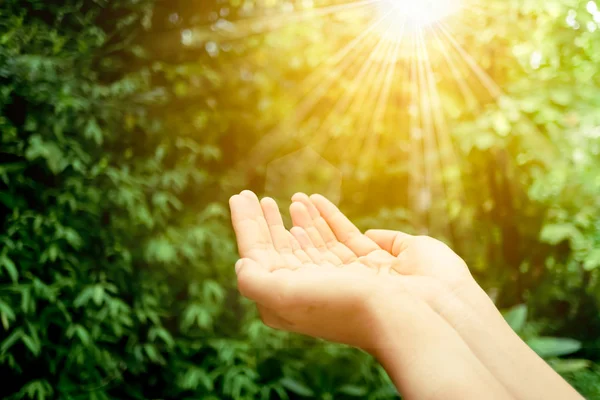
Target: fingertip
{"points": [[268, 201], [300, 214], [297, 206], [299, 196], [235, 202], [249, 194], [296, 230], [323, 205]]}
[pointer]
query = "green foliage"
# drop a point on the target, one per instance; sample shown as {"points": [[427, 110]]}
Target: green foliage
{"points": [[121, 143], [116, 274]]}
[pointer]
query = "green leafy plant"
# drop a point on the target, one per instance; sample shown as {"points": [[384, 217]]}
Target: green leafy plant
{"points": [[126, 125]]}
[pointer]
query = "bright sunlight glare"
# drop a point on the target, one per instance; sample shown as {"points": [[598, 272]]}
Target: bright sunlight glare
{"points": [[411, 15]]}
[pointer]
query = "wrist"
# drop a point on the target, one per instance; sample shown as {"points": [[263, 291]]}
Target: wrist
{"points": [[423, 355]]}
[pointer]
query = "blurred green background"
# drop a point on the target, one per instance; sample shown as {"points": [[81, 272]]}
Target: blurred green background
{"points": [[127, 124]]}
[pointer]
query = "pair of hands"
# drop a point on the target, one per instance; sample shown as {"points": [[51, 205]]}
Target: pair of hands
{"points": [[323, 277], [410, 301]]}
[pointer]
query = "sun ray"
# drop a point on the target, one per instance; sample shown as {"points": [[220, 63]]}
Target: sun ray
{"points": [[243, 28], [372, 89], [344, 102], [316, 81], [372, 143], [418, 173], [483, 76], [428, 144], [320, 136], [419, 15], [459, 78], [446, 152], [321, 78]]}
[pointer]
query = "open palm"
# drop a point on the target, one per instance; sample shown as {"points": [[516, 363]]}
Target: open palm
{"points": [[415, 255], [325, 279], [303, 284]]}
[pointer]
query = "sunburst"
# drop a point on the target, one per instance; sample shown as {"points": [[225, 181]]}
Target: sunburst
{"points": [[405, 45]]}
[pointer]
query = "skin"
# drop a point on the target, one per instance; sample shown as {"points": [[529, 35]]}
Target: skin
{"points": [[455, 296], [411, 302]]}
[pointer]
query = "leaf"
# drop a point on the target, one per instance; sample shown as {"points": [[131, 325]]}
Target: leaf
{"points": [[27, 304], [73, 238], [570, 365], [80, 332], [562, 96], [297, 387], [11, 340], [7, 315], [556, 233], [92, 131], [592, 260], [213, 292], [547, 347], [161, 250], [10, 268], [31, 345], [153, 354], [162, 333], [38, 389], [353, 390], [516, 317], [98, 295], [12, 201], [84, 297], [47, 150]]}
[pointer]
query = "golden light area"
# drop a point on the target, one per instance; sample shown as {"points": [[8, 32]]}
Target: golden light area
{"points": [[404, 16]]}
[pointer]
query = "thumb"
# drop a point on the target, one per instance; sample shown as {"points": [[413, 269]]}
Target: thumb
{"points": [[254, 281], [394, 242]]}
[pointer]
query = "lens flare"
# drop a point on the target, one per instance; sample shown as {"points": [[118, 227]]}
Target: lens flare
{"points": [[411, 15]]}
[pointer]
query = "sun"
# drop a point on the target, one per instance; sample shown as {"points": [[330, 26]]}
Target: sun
{"points": [[413, 15]]}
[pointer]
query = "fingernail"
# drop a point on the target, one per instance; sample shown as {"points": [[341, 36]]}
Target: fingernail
{"points": [[238, 266]]}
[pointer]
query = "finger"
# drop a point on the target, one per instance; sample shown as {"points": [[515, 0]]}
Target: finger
{"points": [[298, 251], [306, 244], [252, 233], [393, 242], [304, 199], [345, 231], [339, 249], [279, 236], [302, 219]]}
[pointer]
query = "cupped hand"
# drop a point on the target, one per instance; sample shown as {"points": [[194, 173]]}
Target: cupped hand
{"points": [[303, 288], [433, 273], [341, 286], [415, 255]]}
